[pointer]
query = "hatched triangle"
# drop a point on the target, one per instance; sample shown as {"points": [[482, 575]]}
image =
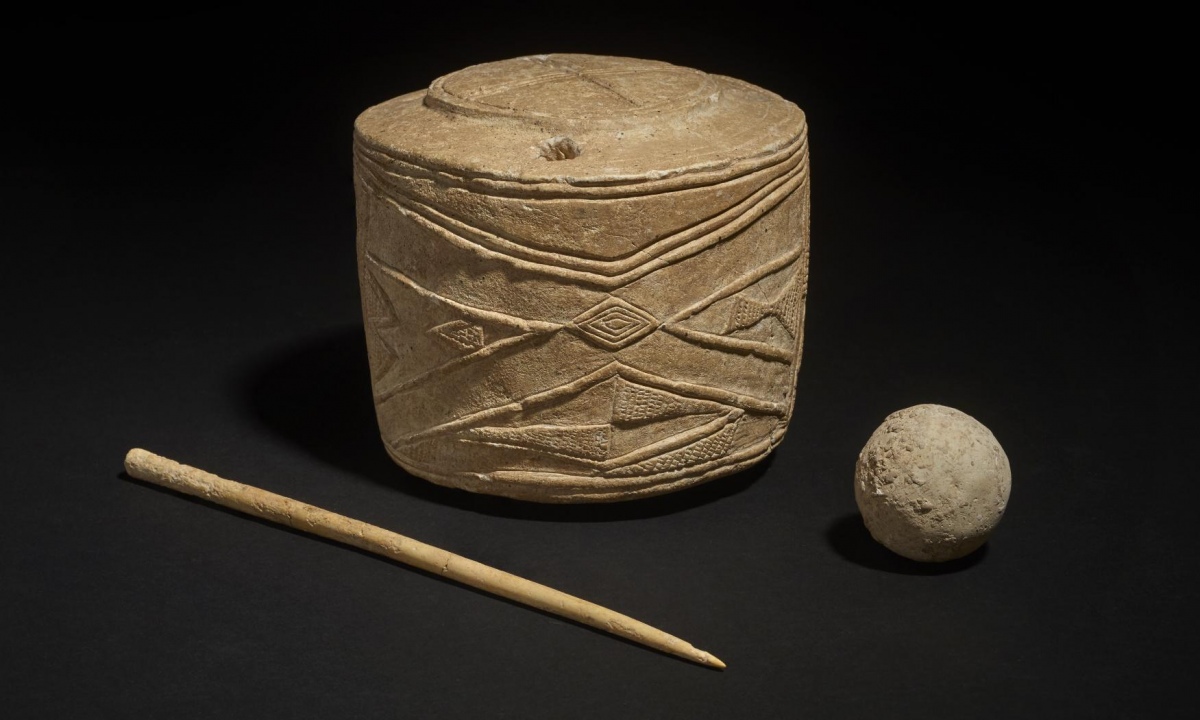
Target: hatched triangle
{"points": [[420, 333], [577, 441], [634, 404], [704, 450], [785, 305], [461, 334]]}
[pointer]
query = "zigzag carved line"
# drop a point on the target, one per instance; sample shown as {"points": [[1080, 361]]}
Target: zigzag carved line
{"points": [[673, 248], [532, 326], [646, 452], [739, 284], [612, 369], [739, 346]]}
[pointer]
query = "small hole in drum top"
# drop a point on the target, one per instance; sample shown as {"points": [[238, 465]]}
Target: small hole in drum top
{"points": [[559, 148]]}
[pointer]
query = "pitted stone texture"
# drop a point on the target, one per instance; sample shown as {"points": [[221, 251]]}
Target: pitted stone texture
{"points": [[932, 483]]}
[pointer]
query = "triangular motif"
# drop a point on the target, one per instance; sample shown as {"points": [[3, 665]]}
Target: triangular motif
{"points": [[785, 306], [701, 451], [464, 335], [765, 317], [603, 421], [420, 333], [634, 404], [577, 441]]}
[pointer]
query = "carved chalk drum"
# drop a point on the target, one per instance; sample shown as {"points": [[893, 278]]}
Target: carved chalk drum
{"points": [[583, 278]]}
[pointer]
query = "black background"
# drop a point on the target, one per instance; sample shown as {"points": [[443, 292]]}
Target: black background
{"points": [[1002, 203]]}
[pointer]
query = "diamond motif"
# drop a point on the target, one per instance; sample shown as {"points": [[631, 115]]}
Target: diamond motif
{"points": [[461, 334], [615, 323]]}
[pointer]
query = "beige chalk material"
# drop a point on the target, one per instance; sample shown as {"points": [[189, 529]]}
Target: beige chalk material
{"points": [[583, 277], [932, 483], [159, 470]]}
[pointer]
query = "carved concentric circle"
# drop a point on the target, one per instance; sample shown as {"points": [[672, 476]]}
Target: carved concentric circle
{"points": [[570, 86], [615, 324]]}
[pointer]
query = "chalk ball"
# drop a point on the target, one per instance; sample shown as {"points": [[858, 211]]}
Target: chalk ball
{"points": [[932, 483]]}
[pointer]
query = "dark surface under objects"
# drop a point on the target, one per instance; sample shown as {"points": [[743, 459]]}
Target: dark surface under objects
{"points": [[999, 220]]}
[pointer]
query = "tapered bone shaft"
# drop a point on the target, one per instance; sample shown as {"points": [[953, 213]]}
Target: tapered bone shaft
{"points": [[159, 470]]}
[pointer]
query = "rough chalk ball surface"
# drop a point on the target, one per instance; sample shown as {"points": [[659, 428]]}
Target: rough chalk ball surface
{"points": [[932, 483]]}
